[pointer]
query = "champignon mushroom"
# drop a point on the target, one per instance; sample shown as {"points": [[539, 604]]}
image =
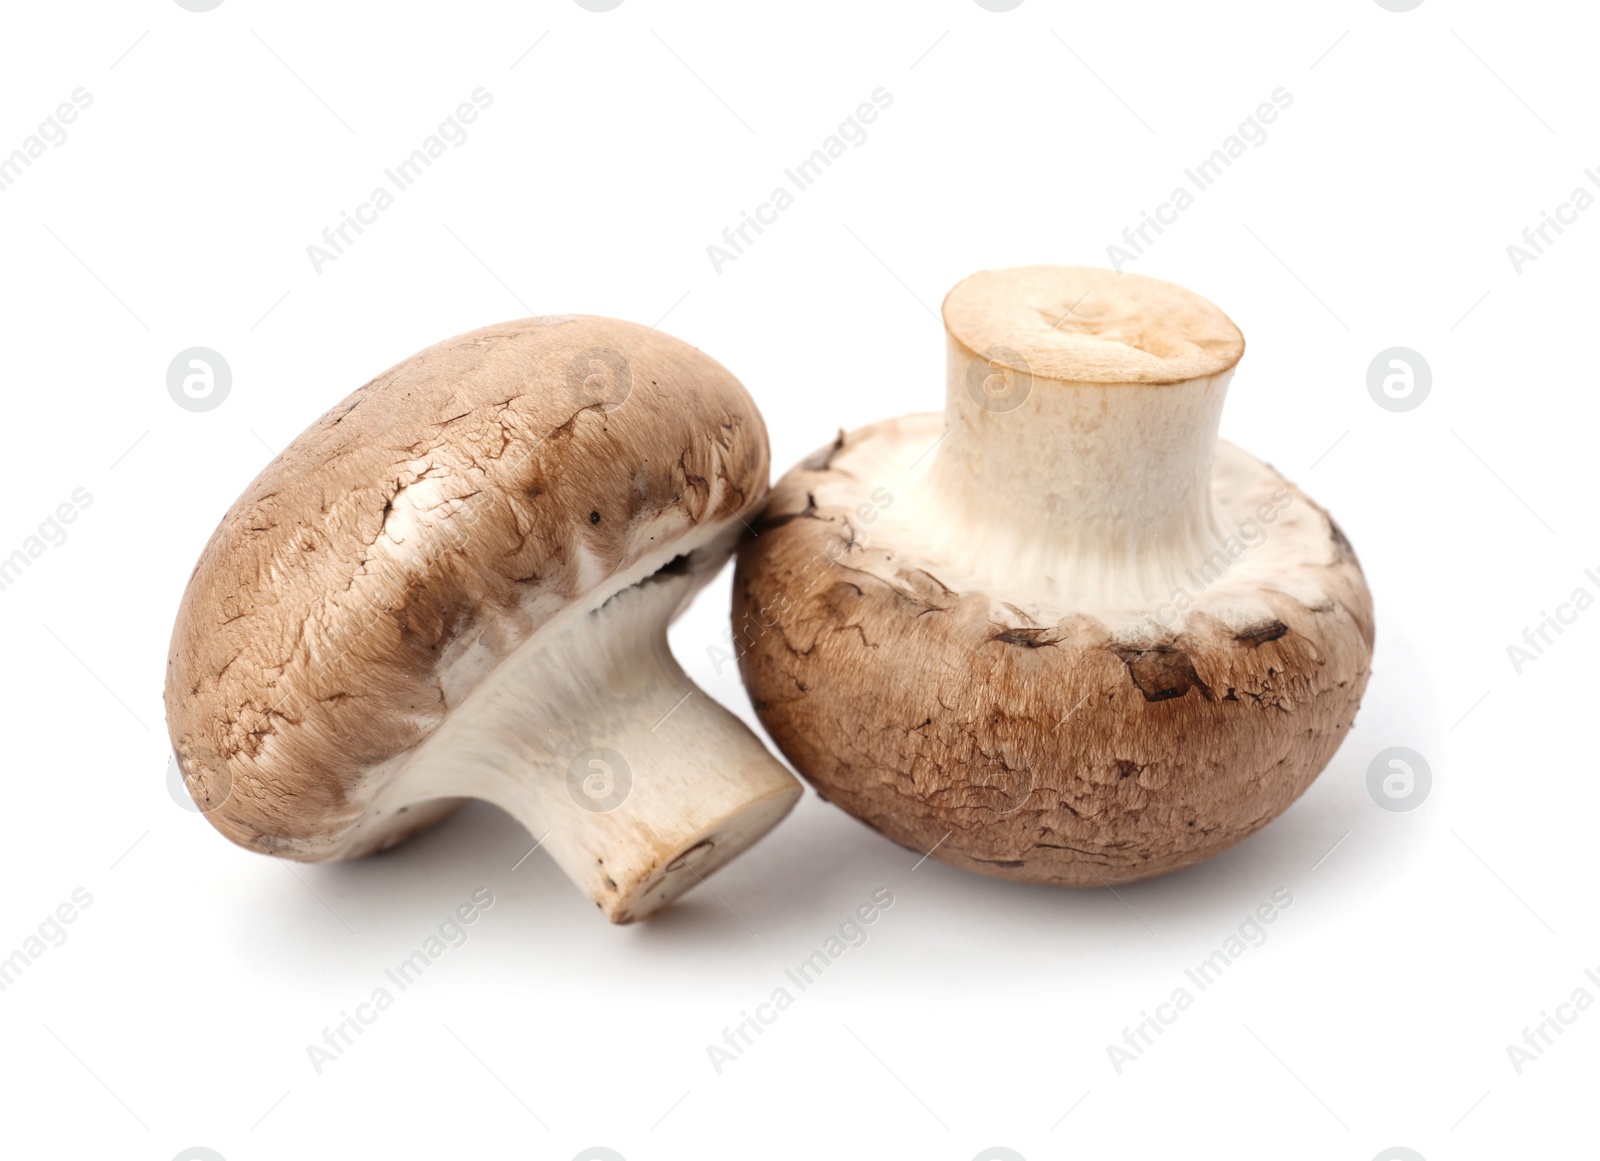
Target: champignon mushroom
{"points": [[1061, 634], [456, 584]]}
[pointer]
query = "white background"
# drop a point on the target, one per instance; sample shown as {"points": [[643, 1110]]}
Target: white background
{"points": [[177, 213]]}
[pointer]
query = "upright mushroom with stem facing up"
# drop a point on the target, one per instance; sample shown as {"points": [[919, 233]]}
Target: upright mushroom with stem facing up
{"points": [[1061, 633], [456, 584]]}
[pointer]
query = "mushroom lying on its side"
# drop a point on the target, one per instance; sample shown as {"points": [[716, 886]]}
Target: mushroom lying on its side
{"points": [[1060, 634], [456, 584]]}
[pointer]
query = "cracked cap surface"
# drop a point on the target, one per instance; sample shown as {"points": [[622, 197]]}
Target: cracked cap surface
{"points": [[1030, 740], [419, 532]]}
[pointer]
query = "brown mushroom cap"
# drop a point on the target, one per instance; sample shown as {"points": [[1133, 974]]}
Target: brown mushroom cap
{"points": [[379, 571], [919, 665]]}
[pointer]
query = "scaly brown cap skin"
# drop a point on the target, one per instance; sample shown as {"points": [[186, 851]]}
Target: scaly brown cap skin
{"points": [[455, 502], [1062, 747]]}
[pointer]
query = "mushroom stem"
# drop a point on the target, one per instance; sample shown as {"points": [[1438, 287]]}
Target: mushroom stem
{"points": [[1103, 489], [591, 735]]}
